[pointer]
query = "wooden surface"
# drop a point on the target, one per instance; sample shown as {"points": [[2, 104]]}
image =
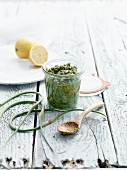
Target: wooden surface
{"points": [[95, 32]]}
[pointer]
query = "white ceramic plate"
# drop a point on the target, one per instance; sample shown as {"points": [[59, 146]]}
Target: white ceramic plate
{"points": [[18, 71]]}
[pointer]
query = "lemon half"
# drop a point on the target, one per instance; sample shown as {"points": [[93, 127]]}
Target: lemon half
{"points": [[38, 55]]}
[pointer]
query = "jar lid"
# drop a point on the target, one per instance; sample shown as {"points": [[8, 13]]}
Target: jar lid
{"points": [[92, 85]]}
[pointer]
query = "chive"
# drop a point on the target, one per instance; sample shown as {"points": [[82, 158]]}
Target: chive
{"points": [[19, 94], [51, 120], [41, 114], [32, 110], [5, 167]]}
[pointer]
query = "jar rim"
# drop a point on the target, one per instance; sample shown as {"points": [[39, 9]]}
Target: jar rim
{"points": [[63, 60]]}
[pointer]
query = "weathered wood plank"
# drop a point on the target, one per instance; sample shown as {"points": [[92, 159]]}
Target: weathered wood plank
{"points": [[18, 152], [110, 56], [119, 15], [64, 31], [23, 19], [73, 37]]}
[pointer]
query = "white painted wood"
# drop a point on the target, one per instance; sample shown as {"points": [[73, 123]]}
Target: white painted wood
{"points": [[73, 37], [119, 15], [110, 56], [81, 145], [19, 150], [20, 146], [61, 27]]}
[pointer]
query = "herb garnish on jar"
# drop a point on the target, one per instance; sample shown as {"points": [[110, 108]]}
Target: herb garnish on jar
{"points": [[65, 69]]}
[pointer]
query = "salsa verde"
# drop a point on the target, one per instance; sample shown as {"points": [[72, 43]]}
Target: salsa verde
{"points": [[62, 86]]}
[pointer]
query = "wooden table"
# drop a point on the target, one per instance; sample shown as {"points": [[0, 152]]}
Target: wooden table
{"points": [[96, 33]]}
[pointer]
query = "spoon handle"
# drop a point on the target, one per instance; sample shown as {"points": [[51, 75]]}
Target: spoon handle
{"points": [[87, 110]]}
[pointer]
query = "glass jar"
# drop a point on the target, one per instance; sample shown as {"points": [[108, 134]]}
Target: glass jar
{"points": [[62, 90]]}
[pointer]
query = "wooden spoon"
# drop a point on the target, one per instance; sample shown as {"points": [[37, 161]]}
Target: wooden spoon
{"points": [[73, 126]]}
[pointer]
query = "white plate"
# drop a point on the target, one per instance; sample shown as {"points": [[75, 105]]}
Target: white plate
{"points": [[18, 71]]}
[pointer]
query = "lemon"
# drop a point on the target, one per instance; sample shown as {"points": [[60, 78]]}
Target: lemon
{"points": [[38, 55], [23, 46]]}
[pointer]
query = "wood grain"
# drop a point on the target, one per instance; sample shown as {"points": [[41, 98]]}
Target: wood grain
{"points": [[74, 38], [110, 56], [93, 33], [18, 152]]}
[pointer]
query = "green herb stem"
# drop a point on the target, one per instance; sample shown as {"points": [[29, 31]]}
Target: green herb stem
{"points": [[1, 165], [99, 113], [51, 120], [41, 114], [19, 94], [32, 108], [15, 104]]}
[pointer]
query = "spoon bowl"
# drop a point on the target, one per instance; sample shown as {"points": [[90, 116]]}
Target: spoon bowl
{"points": [[72, 127], [68, 128]]}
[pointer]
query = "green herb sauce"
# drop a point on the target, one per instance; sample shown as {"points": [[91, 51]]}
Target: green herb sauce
{"points": [[65, 69], [62, 91]]}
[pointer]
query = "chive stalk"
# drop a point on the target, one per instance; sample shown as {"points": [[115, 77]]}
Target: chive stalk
{"points": [[19, 94], [15, 104], [51, 120], [41, 114], [32, 108], [3, 166]]}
